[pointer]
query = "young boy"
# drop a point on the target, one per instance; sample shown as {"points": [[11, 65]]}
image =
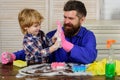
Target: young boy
{"points": [[36, 45]]}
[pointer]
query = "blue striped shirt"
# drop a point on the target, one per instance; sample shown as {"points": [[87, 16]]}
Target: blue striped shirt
{"points": [[34, 45]]}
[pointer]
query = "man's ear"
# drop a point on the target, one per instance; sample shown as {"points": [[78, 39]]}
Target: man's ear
{"points": [[82, 20]]}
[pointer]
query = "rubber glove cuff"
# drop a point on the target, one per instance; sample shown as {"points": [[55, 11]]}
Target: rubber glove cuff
{"points": [[7, 57]]}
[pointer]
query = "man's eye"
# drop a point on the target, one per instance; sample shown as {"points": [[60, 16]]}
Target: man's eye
{"points": [[65, 17], [71, 18]]}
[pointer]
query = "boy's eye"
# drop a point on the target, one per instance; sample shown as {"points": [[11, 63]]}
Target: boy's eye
{"points": [[35, 26], [39, 24]]}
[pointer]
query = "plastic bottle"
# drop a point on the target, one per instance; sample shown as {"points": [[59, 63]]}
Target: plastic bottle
{"points": [[110, 64]]}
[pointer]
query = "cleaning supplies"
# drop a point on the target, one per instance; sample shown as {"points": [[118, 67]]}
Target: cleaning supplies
{"points": [[19, 63], [79, 68], [110, 64]]}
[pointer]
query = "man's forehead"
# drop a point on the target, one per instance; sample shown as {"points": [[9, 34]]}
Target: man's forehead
{"points": [[70, 13]]}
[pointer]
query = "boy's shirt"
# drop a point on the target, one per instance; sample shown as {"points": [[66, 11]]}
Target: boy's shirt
{"points": [[33, 46]]}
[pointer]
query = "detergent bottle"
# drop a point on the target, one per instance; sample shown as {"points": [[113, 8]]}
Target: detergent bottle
{"points": [[110, 64]]}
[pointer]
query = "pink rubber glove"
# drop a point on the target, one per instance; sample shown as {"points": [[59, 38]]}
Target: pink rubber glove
{"points": [[67, 46], [7, 57]]}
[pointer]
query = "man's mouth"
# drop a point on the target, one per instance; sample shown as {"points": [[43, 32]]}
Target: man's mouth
{"points": [[68, 27]]}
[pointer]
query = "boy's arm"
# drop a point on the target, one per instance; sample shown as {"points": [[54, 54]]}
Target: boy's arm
{"points": [[20, 55]]}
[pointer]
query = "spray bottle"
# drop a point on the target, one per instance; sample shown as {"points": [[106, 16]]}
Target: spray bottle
{"points": [[110, 64]]}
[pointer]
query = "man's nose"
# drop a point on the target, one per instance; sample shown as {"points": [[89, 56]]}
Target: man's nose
{"points": [[67, 21]]}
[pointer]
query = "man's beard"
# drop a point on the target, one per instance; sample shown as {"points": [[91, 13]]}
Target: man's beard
{"points": [[70, 30]]}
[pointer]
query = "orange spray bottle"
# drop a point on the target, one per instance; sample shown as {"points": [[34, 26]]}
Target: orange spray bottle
{"points": [[110, 64]]}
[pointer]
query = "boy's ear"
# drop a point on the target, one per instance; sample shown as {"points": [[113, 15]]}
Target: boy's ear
{"points": [[26, 28]]}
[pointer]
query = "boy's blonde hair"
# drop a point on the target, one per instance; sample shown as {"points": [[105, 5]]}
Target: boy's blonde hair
{"points": [[27, 17]]}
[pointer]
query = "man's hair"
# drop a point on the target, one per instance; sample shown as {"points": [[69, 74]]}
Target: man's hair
{"points": [[77, 6], [27, 17]]}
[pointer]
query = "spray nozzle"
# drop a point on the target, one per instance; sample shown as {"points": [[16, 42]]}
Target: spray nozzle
{"points": [[110, 42]]}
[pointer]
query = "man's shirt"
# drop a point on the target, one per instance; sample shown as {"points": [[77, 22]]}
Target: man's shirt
{"points": [[83, 52]]}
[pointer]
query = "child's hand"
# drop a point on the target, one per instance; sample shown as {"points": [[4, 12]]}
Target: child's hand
{"points": [[57, 35], [7, 57], [57, 45], [54, 39]]}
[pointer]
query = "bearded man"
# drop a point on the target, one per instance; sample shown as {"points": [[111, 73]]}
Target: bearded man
{"points": [[79, 44]]}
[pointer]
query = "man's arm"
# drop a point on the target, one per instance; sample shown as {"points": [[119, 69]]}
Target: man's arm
{"points": [[86, 53]]}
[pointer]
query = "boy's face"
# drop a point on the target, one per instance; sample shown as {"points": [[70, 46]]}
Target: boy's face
{"points": [[34, 29]]}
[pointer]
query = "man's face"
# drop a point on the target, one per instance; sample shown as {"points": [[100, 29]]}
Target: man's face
{"points": [[71, 23]]}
